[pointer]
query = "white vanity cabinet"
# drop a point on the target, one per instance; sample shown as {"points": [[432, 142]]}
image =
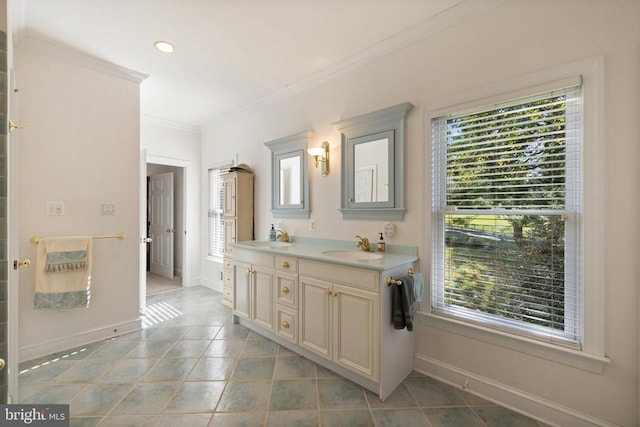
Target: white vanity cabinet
{"points": [[337, 315], [254, 287]]}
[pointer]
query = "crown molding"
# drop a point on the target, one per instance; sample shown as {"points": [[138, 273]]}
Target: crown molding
{"points": [[448, 18], [65, 53], [158, 121]]}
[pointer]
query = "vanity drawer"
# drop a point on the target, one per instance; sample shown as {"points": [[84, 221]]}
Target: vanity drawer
{"points": [[287, 289], [287, 263], [228, 265], [287, 323], [335, 273], [227, 279], [227, 292], [254, 257]]}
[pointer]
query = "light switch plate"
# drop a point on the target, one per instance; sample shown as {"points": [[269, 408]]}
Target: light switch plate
{"points": [[55, 208]]}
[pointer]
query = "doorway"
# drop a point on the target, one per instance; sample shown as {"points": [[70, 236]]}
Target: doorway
{"points": [[165, 224]]}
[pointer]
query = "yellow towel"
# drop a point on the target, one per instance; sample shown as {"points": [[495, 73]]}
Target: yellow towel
{"points": [[63, 272]]}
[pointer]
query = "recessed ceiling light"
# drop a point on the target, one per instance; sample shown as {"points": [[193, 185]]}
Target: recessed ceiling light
{"points": [[165, 47]]}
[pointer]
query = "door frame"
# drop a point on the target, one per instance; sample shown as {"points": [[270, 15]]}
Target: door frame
{"points": [[186, 223], [13, 278]]}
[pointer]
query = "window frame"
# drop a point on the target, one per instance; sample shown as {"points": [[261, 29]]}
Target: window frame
{"points": [[220, 196], [591, 356], [571, 335]]}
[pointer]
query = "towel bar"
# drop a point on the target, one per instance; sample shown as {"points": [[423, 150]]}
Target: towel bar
{"points": [[392, 281], [36, 239]]}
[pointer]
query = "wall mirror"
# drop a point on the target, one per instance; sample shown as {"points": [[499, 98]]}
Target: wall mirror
{"points": [[289, 176], [373, 164]]}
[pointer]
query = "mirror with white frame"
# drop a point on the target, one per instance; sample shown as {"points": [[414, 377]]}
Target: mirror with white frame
{"points": [[289, 176], [373, 164]]}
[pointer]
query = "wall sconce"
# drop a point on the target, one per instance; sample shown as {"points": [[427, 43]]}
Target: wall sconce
{"points": [[321, 155]]}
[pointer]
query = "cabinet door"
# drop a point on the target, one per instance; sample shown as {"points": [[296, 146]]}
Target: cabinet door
{"points": [[241, 289], [262, 297], [315, 315], [229, 189], [229, 234], [355, 330]]}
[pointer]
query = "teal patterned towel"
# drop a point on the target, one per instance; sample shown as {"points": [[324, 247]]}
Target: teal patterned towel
{"points": [[63, 273], [66, 261], [61, 300]]}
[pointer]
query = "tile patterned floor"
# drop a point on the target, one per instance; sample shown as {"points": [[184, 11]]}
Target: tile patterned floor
{"points": [[191, 366]]}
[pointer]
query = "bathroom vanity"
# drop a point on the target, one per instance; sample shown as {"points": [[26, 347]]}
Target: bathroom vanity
{"points": [[327, 301]]}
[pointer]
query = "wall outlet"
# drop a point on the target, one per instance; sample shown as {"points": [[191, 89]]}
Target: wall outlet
{"points": [[389, 229], [107, 209], [312, 225], [278, 225]]}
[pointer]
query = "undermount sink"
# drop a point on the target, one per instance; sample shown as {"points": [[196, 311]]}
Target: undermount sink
{"points": [[270, 244], [353, 255]]}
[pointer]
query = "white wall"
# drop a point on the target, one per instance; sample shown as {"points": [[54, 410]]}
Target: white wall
{"points": [[81, 147], [515, 39], [171, 145]]}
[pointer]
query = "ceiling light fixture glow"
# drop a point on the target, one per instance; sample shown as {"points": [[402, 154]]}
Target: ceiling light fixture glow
{"points": [[165, 47]]}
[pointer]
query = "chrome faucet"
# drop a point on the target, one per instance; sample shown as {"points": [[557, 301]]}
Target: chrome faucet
{"points": [[363, 243], [283, 235]]}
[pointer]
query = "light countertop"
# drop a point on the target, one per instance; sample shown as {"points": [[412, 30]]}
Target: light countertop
{"points": [[344, 252]]}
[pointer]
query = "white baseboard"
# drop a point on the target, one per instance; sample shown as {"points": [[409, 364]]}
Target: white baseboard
{"points": [[504, 395], [216, 285], [83, 338]]}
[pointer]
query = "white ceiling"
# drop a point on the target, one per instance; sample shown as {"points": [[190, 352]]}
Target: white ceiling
{"points": [[231, 54]]}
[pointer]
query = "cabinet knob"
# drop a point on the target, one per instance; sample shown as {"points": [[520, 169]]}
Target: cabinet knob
{"points": [[285, 290], [285, 264], [285, 324]]}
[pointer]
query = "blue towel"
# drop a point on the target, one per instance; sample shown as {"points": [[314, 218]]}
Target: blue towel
{"points": [[418, 286]]}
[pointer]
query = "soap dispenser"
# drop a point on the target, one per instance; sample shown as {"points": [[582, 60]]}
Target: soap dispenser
{"points": [[272, 234], [381, 244]]}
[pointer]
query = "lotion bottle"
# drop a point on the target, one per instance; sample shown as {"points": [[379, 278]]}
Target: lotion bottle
{"points": [[381, 244], [272, 234]]}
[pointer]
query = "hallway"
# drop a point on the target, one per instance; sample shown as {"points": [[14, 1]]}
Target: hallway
{"points": [[191, 366]]}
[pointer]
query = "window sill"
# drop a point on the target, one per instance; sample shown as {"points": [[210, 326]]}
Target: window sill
{"points": [[566, 356]]}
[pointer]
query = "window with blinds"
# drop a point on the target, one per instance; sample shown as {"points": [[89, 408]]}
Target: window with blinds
{"points": [[506, 212], [215, 214]]}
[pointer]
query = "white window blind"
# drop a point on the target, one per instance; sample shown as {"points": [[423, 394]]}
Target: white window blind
{"points": [[215, 213], [506, 212]]}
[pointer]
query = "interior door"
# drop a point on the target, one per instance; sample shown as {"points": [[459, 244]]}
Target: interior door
{"points": [[161, 227]]}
